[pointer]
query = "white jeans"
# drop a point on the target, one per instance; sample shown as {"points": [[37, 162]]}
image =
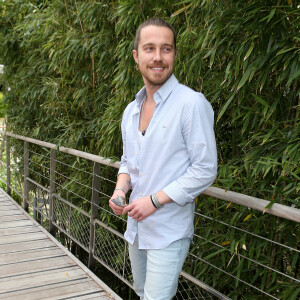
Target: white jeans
{"points": [[156, 272]]}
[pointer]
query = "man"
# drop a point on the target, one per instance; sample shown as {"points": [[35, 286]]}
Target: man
{"points": [[169, 157]]}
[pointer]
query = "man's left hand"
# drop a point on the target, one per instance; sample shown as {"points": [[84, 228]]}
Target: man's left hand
{"points": [[140, 209]]}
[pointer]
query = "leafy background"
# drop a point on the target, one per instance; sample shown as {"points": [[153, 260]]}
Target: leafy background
{"points": [[70, 71]]}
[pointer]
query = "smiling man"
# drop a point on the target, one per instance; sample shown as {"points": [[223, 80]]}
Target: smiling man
{"points": [[169, 158]]}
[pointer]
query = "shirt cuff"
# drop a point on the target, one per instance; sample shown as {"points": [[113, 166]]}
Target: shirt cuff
{"points": [[177, 194], [123, 169]]}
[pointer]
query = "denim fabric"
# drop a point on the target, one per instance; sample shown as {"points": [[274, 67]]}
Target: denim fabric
{"points": [[156, 272]]}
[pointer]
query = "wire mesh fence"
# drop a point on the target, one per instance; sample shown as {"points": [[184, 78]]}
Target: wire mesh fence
{"points": [[38, 199], [191, 291], [3, 174], [111, 249], [233, 256], [74, 222]]}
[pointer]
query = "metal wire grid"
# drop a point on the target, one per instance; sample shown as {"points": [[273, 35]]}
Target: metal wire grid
{"points": [[74, 222], [17, 179], [3, 174], [190, 291], [111, 250], [253, 265], [72, 185], [84, 171], [38, 199], [71, 220]]}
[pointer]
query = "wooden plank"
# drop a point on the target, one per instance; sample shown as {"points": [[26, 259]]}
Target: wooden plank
{"points": [[42, 278], [86, 295], [13, 258], [17, 238], [17, 230], [25, 246], [15, 224], [93, 297], [9, 213], [12, 218], [30, 266], [33, 265], [4, 204], [53, 290], [15, 212], [7, 210]]}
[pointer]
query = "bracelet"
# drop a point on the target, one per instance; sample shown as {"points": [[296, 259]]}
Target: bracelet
{"points": [[119, 189], [155, 201]]}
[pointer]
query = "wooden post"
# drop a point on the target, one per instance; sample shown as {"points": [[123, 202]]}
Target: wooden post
{"points": [[26, 175], [94, 212], [52, 190], [8, 164]]}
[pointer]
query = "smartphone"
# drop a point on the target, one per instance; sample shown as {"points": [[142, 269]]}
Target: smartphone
{"points": [[119, 200]]}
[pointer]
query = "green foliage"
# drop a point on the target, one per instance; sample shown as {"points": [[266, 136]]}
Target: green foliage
{"points": [[3, 106], [70, 69]]}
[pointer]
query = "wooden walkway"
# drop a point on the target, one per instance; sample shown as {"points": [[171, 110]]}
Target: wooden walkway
{"points": [[34, 265]]}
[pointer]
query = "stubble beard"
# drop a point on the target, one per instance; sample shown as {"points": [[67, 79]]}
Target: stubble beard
{"points": [[156, 82]]}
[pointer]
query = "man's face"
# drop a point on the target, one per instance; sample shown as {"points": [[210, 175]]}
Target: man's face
{"points": [[156, 55]]}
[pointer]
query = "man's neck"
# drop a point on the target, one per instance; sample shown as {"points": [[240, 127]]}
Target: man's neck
{"points": [[150, 91]]}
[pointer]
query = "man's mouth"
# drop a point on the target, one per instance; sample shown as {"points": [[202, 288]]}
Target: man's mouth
{"points": [[157, 68]]}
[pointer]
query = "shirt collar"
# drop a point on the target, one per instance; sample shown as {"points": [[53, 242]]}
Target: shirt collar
{"points": [[165, 91], [161, 95]]}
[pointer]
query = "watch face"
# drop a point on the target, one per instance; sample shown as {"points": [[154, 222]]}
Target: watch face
{"points": [[119, 200]]}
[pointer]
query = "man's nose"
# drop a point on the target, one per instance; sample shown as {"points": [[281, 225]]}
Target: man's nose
{"points": [[157, 55]]}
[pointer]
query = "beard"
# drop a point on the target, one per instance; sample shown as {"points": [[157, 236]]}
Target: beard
{"points": [[155, 80]]}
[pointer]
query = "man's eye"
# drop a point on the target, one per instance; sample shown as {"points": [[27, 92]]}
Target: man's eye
{"points": [[148, 48], [167, 49]]}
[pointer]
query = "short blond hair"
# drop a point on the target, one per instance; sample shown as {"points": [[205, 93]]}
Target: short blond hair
{"points": [[155, 22]]}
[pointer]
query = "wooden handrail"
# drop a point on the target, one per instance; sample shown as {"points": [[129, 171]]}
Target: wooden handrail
{"points": [[82, 154], [276, 209]]}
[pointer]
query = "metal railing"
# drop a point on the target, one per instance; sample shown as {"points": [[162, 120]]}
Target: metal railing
{"points": [[68, 190]]}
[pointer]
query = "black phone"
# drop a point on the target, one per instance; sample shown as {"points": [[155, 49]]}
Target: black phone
{"points": [[119, 200]]}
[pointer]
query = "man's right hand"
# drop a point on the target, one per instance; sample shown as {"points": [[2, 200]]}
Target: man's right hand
{"points": [[116, 208]]}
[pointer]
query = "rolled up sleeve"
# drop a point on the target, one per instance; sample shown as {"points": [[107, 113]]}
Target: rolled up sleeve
{"points": [[198, 134], [123, 167]]}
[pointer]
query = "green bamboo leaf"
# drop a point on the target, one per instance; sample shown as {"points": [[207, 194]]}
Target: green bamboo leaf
{"points": [[179, 11], [268, 135], [269, 205], [224, 108], [249, 51], [214, 254], [212, 57], [294, 260], [293, 76], [260, 100], [286, 50], [271, 14], [295, 294], [228, 68], [245, 77]]}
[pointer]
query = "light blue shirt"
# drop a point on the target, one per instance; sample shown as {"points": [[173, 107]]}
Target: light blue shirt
{"points": [[177, 155]]}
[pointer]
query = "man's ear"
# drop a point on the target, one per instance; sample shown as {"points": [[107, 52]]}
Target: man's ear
{"points": [[135, 56]]}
